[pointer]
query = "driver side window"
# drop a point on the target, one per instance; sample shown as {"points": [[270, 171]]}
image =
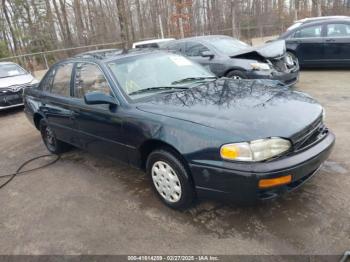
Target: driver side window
{"points": [[309, 32], [89, 78], [195, 49]]}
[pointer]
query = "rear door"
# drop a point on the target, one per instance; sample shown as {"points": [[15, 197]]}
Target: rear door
{"points": [[308, 44], [337, 43], [57, 102], [100, 126]]}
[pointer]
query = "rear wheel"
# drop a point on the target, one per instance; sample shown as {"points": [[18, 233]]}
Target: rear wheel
{"points": [[170, 179], [54, 145], [236, 74]]}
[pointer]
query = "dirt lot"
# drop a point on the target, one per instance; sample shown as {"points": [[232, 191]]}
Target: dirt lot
{"points": [[85, 204]]}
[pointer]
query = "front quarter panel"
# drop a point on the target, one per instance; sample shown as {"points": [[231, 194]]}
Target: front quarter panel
{"points": [[230, 64], [195, 142]]}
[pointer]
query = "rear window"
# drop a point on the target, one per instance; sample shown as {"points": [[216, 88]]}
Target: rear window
{"points": [[61, 82], [338, 30], [176, 46], [46, 83]]}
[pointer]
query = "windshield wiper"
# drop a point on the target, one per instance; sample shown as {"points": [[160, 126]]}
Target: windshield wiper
{"points": [[156, 88], [188, 79]]}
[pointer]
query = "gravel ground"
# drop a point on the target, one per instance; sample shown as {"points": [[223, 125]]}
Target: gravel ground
{"points": [[86, 204]]}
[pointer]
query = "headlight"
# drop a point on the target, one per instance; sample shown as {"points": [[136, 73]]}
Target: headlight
{"points": [[323, 114], [256, 150], [260, 66]]}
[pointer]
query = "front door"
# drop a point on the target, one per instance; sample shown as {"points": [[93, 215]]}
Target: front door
{"points": [[194, 50], [100, 126], [309, 45]]}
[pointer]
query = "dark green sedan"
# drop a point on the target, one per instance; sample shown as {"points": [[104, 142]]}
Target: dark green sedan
{"points": [[195, 135]]}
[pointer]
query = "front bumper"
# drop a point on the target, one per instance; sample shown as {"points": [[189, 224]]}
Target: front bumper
{"points": [[10, 99], [287, 78], [238, 182]]}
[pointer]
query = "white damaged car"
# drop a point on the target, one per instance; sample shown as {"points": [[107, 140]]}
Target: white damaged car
{"points": [[13, 79]]}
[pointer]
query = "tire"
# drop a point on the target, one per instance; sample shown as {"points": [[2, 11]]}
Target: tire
{"points": [[170, 179], [236, 74], [52, 144]]}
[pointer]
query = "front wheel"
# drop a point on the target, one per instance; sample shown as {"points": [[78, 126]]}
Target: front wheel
{"points": [[170, 179], [236, 74], [54, 145]]}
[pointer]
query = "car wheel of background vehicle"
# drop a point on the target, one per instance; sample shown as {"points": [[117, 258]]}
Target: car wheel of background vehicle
{"points": [[236, 74], [170, 179], [54, 145]]}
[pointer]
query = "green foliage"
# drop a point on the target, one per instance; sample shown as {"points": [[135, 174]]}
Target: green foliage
{"points": [[4, 52]]}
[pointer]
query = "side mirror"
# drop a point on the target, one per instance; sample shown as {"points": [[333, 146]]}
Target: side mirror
{"points": [[95, 98], [207, 53]]}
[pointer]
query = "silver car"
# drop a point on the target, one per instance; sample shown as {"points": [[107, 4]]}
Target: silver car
{"points": [[13, 79]]}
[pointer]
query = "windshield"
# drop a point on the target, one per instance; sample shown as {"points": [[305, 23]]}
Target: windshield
{"points": [[144, 75], [228, 46], [7, 70]]}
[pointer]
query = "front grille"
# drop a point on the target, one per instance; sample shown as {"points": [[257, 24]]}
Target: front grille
{"points": [[284, 64], [280, 65], [10, 98]]}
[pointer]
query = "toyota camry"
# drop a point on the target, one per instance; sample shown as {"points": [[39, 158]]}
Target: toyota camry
{"points": [[195, 135]]}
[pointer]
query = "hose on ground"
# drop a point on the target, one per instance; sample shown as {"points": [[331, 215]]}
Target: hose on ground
{"points": [[20, 172]]}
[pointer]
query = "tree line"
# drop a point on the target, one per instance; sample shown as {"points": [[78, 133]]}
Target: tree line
{"points": [[28, 26]]}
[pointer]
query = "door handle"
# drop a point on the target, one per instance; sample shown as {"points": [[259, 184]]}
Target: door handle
{"points": [[295, 41], [330, 40]]}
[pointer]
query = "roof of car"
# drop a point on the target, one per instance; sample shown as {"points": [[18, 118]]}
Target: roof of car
{"points": [[116, 55], [311, 19], [153, 41], [100, 53], [203, 38], [317, 20]]}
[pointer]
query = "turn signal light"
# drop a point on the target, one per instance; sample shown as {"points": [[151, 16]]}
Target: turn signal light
{"points": [[271, 182]]}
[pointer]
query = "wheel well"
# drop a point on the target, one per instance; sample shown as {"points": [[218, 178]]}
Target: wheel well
{"points": [[291, 51], [153, 144], [233, 69], [37, 118]]}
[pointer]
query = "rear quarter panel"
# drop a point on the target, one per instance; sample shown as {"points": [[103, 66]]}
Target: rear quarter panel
{"points": [[32, 102]]}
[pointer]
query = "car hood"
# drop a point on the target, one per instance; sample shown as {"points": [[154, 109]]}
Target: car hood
{"points": [[15, 80], [269, 50], [248, 109]]}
